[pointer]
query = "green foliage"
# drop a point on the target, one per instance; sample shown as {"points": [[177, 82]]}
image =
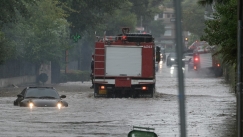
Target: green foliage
{"points": [[118, 19], [206, 2], [168, 3], [88, 14], [145, 9], [192, 38], [43, 36], [193, 17], [8, 9], [6, 48], [41, 30], [222, 31]]}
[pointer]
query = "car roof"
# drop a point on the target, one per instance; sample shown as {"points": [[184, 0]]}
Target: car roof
{"points": [[40, 87]]}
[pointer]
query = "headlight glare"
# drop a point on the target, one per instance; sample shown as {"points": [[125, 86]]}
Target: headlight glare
{"points": [[59, 105], [31, 105]]}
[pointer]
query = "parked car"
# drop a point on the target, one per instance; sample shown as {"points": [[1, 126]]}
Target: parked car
{"points": [[40, 97]]}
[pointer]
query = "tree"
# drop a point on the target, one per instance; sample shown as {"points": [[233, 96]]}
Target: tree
{"points": [[210, 2], [88, 14], [6, 48], [8, 14], [43, 36], [193, 17], [145, 11], [222, 31], [8, 9]]}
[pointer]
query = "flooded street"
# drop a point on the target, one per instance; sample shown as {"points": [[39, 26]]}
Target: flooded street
{"points": [[210, 111]]}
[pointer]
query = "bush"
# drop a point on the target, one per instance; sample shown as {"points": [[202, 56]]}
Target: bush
{"points": [[76, 75]]}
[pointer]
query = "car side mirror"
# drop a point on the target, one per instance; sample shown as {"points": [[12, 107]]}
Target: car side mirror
{"points": [[20, 96], [63, 96]]}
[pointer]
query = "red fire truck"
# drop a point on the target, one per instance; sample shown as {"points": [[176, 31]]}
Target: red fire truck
{"points": [[124, 65], [205, 61]]}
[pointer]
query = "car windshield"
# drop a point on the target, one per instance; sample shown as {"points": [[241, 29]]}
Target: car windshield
{"points": [[41, 93]]}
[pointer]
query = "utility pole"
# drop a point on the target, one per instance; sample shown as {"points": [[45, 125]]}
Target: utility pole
{"points": [[239, 71], [179, 49]]}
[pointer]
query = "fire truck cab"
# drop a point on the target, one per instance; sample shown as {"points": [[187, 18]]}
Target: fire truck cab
{"points": [[124, 65]]}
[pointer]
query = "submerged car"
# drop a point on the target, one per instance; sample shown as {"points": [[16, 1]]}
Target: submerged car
{"points": [[40, 97]]}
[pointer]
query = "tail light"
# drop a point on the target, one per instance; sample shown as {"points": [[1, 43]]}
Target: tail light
{"points": [[218, 65], [102, 87], [196, 59], [124, 37], [144, 88], [195, 67]]}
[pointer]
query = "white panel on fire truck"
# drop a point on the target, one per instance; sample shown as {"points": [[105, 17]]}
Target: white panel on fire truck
{"points": [[206, 60], [123, 61]]}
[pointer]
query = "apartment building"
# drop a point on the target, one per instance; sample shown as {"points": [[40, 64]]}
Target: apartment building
{"points": [[168, 38]]}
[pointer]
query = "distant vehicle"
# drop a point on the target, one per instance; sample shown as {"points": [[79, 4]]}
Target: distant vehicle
{"points": [[197, 45], [163, 55], [40, 97], [187, 57], [203, 60], [190, 64], [171, 59]]}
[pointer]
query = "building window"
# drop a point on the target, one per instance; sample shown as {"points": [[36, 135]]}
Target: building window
{"points": [[168, 15], [168, 32], [161, 15], [173, 15]]}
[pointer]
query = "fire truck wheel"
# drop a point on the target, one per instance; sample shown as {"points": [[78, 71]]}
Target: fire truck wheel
{"points": [[95, 95], [152, 90], [95, 90], [111, 94]]}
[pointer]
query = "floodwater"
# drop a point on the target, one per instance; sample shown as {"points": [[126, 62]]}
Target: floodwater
{"points": [[210, 111]]}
